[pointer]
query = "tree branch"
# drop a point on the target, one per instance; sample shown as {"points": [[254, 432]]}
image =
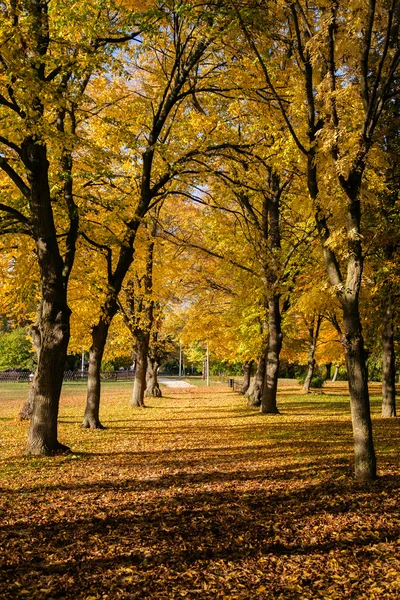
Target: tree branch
{"points": [[15, 178], [104, 248]]}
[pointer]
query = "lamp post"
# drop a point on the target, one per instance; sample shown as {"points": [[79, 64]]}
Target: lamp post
{"points": [[208, 366]]}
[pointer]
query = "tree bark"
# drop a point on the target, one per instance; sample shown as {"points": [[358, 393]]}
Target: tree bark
{"points": [[139, 386], [27, 410], [388, 364], [91, 418], [353, 343], [310, 372], [270, 387], [46, 387], [254, 392], [336, 373], [246, 375], [152, 386]]}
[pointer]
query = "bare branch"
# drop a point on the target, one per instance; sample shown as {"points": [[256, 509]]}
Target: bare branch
{"points": [[15, 178]]}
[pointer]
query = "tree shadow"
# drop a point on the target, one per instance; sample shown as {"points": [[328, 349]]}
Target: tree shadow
{"points": [[196, 530]]}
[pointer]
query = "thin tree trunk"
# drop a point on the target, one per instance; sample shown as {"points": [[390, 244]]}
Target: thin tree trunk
{"points": [[328, 370], [91, 419], [313, 338], [152, 387], [388, 367], [27, 410], [336, 373], [254, 392], [310, 373], [272, 235], [270, 387], [139, 386], [246, 375]]}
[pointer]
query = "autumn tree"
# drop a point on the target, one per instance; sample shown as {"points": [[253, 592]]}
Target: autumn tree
{"points": [[172, 67], [49, 51], [338, 63], [139, 312], [382, 226]]}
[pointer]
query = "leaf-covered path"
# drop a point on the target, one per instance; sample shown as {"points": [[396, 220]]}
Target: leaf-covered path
{"points": [[199, 496]]}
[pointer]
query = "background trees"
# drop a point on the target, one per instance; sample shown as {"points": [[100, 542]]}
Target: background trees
{"points": [[236, 135]]}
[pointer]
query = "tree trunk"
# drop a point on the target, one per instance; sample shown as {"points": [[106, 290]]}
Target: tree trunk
{"points": [[139, 386], [328, 370], [353, 343], [270, 387], [254, 392], [91, 419], [336, 373], [27, 410], [310, 373], [347, 292], [53, 323], [388, 364], [313, 333], [152, 387], [246, 375], [46, 387]]}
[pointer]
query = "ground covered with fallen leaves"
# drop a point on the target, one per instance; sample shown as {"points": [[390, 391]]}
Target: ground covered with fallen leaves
{"points": [[198, 496]]}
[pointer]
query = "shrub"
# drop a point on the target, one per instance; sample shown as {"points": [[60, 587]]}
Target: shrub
{"points": [[316, 382]]}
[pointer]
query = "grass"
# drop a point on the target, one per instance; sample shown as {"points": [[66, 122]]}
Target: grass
{"points": [[199, 496]]}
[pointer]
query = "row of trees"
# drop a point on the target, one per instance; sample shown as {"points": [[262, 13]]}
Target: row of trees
{"points": [[239, 141]]}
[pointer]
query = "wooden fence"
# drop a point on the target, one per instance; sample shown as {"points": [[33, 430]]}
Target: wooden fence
{"points": [[25, 376], [235, 384]]}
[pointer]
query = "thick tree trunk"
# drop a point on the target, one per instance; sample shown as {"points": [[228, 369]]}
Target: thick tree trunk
{"points": [[53, 323], [388, 366], [246, 375], [152, 387], [313, 337], [91, 419], [353, 343], [46, 388], [270, 387], [254, 392], [139, 386]]}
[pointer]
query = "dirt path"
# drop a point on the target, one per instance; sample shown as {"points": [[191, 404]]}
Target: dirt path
{"points": [[175, 383]]}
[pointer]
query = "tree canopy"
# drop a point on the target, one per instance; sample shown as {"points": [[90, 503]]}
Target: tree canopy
{"points": [[221, 174]]}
